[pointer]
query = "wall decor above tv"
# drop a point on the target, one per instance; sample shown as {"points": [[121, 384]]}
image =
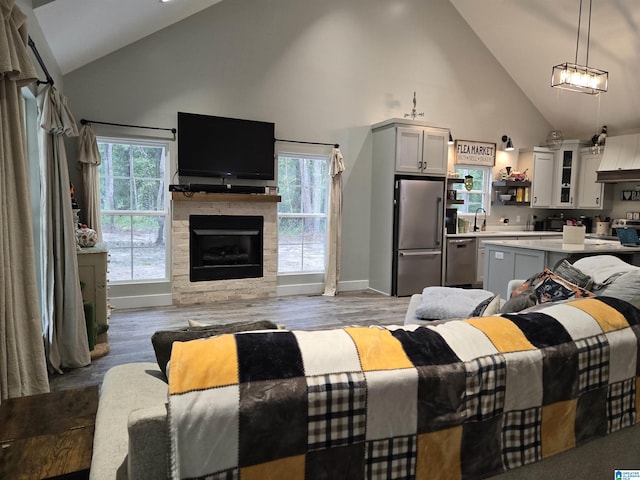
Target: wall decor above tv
{"points": [[210, 146]]}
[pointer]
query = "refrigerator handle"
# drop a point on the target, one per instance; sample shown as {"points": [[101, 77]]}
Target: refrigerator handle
{"points": [[418, 254], [440, 225]]}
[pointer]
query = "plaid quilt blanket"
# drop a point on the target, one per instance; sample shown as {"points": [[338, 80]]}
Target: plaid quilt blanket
{"points": [[464, 399]]}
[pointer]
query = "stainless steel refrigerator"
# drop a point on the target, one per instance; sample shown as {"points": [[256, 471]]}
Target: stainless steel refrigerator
{"points": [[418, 236]]}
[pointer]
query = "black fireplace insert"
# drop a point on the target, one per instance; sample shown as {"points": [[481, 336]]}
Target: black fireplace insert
{"points": [[223, 247]]}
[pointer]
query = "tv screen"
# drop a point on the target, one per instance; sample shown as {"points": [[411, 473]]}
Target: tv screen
{"points": [[210, 146]]}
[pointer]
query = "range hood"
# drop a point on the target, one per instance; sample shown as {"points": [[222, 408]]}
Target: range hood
{"points": [[620, 160]]}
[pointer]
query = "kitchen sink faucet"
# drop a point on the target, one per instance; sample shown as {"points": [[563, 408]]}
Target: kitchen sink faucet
{"points": [[475, 220]]}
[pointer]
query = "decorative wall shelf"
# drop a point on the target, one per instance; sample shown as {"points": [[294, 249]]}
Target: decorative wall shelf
{"points": [[450, 181], [510, 184], [511, 203], [504, 186]]}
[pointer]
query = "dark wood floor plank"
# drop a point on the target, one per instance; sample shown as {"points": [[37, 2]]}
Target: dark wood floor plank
{"points": [[130, 330]]}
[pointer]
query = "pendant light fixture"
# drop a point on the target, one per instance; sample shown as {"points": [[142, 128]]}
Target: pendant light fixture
{"points": [[580, 78]]}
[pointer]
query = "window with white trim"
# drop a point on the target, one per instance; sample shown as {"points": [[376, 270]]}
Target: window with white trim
{"points": [[135, 208], [303, 183], [480, 194]]}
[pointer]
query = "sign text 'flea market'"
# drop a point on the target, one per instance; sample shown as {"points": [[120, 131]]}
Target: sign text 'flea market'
{"points": [[475, 153]]}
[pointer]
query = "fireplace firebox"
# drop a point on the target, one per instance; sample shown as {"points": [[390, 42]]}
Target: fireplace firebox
{"points": [[223, 247]]}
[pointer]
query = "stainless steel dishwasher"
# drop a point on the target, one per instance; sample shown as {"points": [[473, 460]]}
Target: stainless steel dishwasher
{"points": [[461, 261]]}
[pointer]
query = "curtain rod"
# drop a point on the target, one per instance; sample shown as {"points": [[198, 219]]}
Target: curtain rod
{"points": [[41, 62], [335, 145], [84, 121]]}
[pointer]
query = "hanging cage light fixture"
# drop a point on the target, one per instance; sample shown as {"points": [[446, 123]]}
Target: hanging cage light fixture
{"points": [[580, 78]]}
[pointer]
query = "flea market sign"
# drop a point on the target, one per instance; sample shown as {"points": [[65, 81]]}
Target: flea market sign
{"points": [[475, 153]]}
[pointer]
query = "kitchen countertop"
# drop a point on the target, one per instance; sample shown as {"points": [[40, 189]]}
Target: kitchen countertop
{"points": [[591, 245], [505, 233]]}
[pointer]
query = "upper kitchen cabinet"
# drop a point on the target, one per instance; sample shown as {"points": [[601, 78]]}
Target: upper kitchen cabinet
{"points": [[421, 150], [565, 179], [539, 164], [590, 193]]}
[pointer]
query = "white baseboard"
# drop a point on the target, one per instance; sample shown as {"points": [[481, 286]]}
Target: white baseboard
{"points": [[380, 292], [318, 288], [163, 300], [141, 301]]}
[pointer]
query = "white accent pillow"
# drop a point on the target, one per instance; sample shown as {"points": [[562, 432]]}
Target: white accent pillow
{"points": [[625, 287], [449, 302], [493, 308], [602, 267]]}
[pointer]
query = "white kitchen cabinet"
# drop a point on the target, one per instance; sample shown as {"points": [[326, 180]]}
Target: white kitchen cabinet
{"points": [[565, 180], [484, 239], [480, 254], [590, 193], [504, 263], [421, 150], [539, 164]]}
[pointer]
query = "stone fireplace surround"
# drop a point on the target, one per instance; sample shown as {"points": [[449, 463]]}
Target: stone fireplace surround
{"points": [[185, 292]]}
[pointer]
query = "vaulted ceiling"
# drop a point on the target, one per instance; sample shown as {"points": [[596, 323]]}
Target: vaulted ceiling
{"points": [[81, 31], [527, 37]]}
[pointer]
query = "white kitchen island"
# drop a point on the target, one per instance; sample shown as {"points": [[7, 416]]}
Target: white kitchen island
{"points": [[505, 260]]}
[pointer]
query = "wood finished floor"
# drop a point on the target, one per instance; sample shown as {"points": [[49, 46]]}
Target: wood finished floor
{"points": [[130, 330]]}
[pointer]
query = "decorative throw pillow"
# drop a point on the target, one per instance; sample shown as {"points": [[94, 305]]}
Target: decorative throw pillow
{"points": [[487, 308], [574, 275], [162, 341], [552, 288], [543, 287], [528, 283]]}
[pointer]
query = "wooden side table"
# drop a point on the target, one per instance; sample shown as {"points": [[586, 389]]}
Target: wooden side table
{"points": [[48, 435]]}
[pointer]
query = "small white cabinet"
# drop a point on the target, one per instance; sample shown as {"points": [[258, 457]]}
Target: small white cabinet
{"points": [[92, 270], [539, 164], [590, 193], [421, 150]]}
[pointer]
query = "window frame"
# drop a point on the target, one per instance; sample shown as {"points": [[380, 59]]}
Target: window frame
{"points": [[312, 155], [463, 194], [165, 212]]}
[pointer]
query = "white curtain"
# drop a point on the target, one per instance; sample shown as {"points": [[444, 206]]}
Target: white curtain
{"points": [[332, 271], [90, 160], [66, 332], [22, 357]]}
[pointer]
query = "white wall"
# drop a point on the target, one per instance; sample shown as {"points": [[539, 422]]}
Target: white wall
{"points": [[322, 71]]}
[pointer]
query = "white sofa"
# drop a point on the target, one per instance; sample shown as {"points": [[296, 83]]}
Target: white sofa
{"points": [[130, 440], [131, 434]]}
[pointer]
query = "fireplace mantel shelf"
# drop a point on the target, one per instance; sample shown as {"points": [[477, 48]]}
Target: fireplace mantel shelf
{"points": [[225, 197]]}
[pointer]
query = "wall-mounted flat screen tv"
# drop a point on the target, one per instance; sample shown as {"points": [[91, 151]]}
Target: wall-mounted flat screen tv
{"points": [[210, 146]]}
